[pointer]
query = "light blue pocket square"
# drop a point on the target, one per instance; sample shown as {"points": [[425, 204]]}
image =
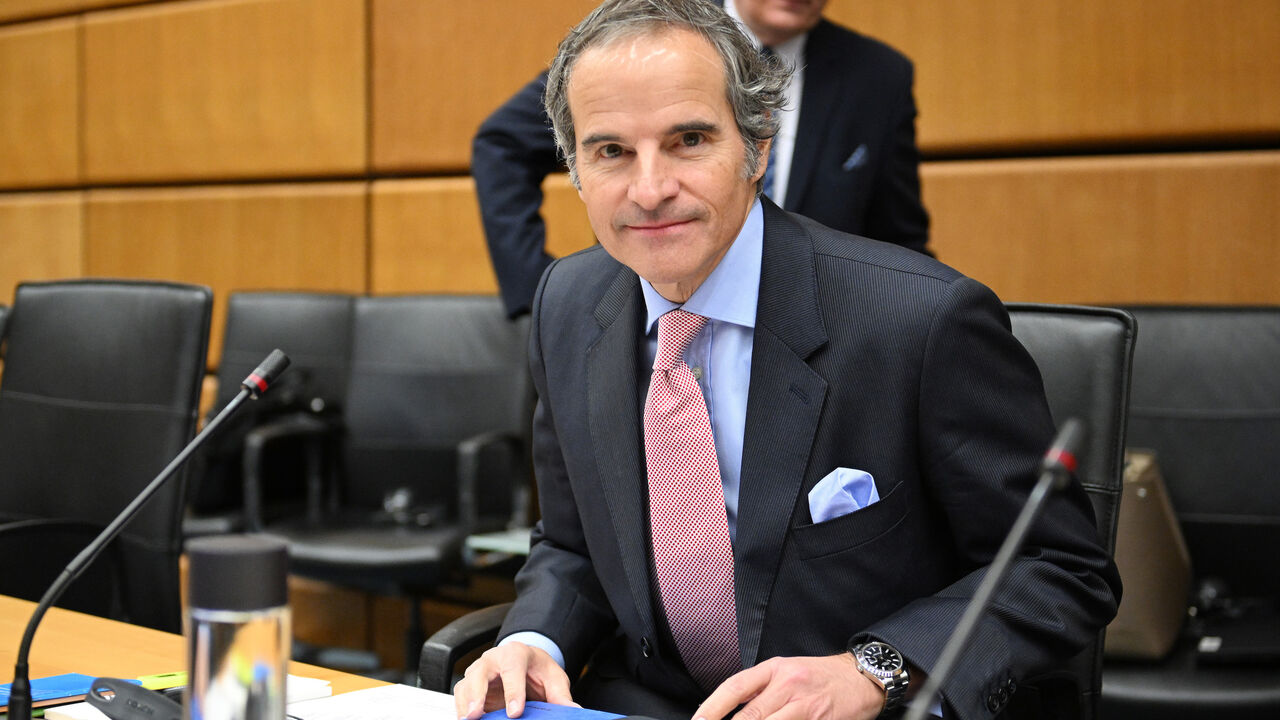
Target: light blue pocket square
{"points": [[841, 492], [857, 159]]}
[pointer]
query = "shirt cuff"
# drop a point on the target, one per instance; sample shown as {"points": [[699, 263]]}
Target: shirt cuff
{"points": [[537, 640]]}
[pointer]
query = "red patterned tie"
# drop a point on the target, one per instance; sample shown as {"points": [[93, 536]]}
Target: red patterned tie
{"points": [[691, 547]]}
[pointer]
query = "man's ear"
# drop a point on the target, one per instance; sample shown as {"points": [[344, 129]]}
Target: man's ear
{"points": [[763, 146]]}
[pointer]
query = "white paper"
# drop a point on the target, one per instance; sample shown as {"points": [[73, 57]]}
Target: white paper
{"points": [[385, 702]]}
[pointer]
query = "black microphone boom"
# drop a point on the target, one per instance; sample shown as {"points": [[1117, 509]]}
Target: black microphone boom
{"points": [[253, 386], [1059, 462]]}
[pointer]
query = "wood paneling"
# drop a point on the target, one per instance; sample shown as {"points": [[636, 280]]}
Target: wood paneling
{"points": [[1009, 73], [440, 68], [1160, 228], [426, 234], [38, 104], [258, 237], [225, 89], [40, 238], [19, 9]]}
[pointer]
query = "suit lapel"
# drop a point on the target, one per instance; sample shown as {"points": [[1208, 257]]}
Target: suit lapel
{"points": [[784, 406], [614, 419], [822, 83]]}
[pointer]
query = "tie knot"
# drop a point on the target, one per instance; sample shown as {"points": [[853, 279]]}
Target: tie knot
{"points": [[676, 330]]}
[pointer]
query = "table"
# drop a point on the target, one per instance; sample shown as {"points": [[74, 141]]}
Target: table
{"points": [[68, 641]]}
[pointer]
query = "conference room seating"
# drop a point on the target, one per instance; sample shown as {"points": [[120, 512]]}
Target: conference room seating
{"points": [[1085, 356], [1206, 399], [314, 330], [433, 447], [4, 312], [99, 393]]}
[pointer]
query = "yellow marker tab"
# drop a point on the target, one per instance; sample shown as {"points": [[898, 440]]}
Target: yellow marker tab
{"points": [[164, 680]]}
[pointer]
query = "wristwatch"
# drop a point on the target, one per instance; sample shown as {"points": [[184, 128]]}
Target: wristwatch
{"points": [[885, 666]]}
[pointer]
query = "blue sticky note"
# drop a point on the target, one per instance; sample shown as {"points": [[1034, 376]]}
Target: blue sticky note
{"points": [[537, 710], [54, 687]]}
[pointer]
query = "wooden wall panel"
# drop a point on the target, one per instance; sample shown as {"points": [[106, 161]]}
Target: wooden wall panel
{"points": [[1159, 228], [214, 89], [440, 68], [40, 238], [21, 9], [1010, 73], [38, 104], [426, 234], [258, 237]]}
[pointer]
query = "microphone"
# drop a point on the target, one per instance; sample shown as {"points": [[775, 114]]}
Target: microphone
{"points": [[1055, 474], [253, 386]]}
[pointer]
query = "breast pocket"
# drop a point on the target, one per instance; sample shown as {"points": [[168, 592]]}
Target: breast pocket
{"points": [[854, 529]]}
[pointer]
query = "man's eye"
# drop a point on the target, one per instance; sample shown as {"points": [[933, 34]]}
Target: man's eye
{"points": [[691, 139], [612, 150]]}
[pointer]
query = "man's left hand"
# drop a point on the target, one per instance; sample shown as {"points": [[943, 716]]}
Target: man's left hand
{"points": [[787, 688]]}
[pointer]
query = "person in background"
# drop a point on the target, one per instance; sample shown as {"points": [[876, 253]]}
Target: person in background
{"points": [[774, 460], [845, 154]]}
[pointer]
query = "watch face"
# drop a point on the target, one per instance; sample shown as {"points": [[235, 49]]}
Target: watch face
{"points": [[881, 658]]}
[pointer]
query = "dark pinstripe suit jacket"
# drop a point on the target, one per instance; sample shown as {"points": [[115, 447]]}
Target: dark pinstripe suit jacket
{"points": [[866, 356]]}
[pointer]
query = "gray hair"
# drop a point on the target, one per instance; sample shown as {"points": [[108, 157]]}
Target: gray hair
{"points": [[755, 85]]}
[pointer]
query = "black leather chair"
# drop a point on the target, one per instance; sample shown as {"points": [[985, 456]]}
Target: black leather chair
{"points": [[1206, 398], [100, 391], [4, 312], [1085, 357], [314, 330], [433, 448]]}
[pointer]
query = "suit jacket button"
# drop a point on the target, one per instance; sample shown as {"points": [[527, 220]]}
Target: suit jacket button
{"points": [[993, 703], [645, 648]]}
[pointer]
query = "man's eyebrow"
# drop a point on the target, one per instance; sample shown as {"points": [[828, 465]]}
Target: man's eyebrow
{"points": [[694, 126], [599, 138]]}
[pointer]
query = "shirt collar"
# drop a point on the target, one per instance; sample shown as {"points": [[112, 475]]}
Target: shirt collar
{"points": [[730, 292]]}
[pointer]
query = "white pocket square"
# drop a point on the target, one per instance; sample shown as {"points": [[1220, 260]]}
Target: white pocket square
{"points": [[841, 492]]}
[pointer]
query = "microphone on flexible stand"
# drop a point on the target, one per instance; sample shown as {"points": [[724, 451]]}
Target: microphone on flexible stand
{"points": [[252, 387], [1055, 474]]}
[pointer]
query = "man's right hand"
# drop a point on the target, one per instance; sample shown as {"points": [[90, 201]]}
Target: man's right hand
{"points": [[507, 675]]}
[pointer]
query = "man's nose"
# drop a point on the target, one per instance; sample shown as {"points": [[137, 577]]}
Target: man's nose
{"points": [[653, 182]]}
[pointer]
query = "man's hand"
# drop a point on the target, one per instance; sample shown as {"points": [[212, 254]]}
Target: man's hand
{"points": [[507, 675], [787, 688]]}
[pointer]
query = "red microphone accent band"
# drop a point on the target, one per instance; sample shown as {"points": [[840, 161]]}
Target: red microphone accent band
{"points": [[1067, 460], [262, 386]]}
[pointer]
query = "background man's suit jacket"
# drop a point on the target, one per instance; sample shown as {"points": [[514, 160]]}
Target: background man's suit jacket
{"points": [[866, 356], [855, 167]]}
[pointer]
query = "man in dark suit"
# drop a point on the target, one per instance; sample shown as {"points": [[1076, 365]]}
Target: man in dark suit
{"points": [[773, 459], [847, 158]]}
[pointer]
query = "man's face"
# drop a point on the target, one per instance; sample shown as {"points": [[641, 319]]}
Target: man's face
{"points": [[776, 21], [659, 156]]}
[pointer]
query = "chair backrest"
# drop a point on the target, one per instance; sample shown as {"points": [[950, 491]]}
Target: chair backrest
{"points": [[314, 330], [1085, 355], [1206, 398], [4, 312], [100, 391], [428, 371]]}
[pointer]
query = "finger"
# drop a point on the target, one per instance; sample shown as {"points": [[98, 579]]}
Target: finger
{"points": [[790, 711], [555, 687], [469, 693], [513, 674], [738, 689], [769, 700]]}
